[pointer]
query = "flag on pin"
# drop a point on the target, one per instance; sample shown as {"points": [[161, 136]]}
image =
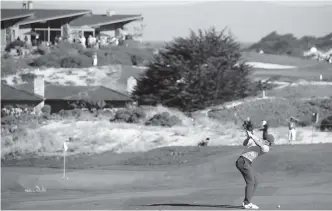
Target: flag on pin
{"points": [[65, 146]]}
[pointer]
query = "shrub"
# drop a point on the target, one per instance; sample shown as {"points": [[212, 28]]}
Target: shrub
{"points": [[64, 113], [128, 115], [75, 61], [11, 66], [65, 46], [122, 54], [46, 109], [89, 53], [26, 77], [14, 44], [43, 50], [48, 60], [195, 72], [164, 119], [326, 124], [9, 120], [57, 60]]}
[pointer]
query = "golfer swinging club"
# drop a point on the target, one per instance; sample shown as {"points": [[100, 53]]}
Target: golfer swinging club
{"points": [[254, 148]]}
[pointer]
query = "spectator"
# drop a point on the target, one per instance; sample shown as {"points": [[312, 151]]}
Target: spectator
{"points": [[90, 41], [292, 129]]}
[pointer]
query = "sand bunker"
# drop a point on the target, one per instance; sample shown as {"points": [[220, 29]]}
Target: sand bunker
{"points": [[262, 65]]}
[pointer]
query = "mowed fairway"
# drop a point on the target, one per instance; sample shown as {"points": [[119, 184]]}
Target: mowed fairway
{"points": [[306, 69], [294, 177]]}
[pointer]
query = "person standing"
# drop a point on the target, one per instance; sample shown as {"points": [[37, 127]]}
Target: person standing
{"points": [[254, 148], [292, 129], [265, 128]]}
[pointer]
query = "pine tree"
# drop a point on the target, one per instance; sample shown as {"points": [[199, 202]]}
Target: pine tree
{"points": [[203, 69]]}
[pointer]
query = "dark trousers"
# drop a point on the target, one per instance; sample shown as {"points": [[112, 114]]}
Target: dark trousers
{"points": [[250, 177]]}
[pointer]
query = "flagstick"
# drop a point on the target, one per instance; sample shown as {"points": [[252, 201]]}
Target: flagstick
{"points": [[64, 164], [64, 160], [312, 133]]}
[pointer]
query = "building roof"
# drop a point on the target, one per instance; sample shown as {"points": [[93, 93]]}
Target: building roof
{"points": [[41, 15], [60, 92], [13, 94], [101, 20], [11, 14], [128, 71], [79, 92]]}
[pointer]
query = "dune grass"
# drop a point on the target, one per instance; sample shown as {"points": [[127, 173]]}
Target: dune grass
{"points": [[99, 135]]}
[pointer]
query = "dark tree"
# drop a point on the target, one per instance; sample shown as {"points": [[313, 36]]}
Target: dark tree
{"points": [[192, 73]]}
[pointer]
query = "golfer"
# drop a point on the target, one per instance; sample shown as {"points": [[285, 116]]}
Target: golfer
{"points": [[254, 148], [291, 129]]}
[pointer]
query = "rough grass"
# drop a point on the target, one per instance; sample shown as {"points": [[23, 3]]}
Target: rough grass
{"points": [[302, 91], [99, 135], [276, 110]]}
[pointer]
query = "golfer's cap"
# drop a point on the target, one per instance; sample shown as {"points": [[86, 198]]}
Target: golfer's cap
{"points": [[264, 122]]}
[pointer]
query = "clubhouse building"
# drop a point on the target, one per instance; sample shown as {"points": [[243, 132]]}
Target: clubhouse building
{"points": [[48, 24]]}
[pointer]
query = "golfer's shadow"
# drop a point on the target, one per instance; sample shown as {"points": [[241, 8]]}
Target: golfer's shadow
{"points": [[195, 205]]}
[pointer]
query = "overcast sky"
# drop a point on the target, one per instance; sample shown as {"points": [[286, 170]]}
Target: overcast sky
{"points": [[248, 20]]}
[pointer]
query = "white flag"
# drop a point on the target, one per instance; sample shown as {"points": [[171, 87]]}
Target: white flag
{"points": [[65, 146]]}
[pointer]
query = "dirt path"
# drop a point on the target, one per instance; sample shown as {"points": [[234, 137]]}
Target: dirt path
{"points": [[295, 177]]}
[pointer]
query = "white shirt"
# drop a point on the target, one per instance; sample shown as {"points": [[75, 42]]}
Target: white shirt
{"points": [[252, 150]]}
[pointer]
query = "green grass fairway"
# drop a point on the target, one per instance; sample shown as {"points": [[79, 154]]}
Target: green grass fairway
{"points": [[302, 91], [295, 177], [307, 69]]}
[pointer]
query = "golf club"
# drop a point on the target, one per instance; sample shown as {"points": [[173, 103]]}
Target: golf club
{"points": [[238, 114]]}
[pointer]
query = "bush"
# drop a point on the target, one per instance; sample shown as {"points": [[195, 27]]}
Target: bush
{"points": [[11, 66], [57, 60], [164, 119], [48, 60], [65, 113], [128, 115], [9, 120], [65, 46], [14, 44], [122, 54], [326, 124], [196, 72], [75, 61], [43, 50], [27, 77], [46, 109], [90, 53]]}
